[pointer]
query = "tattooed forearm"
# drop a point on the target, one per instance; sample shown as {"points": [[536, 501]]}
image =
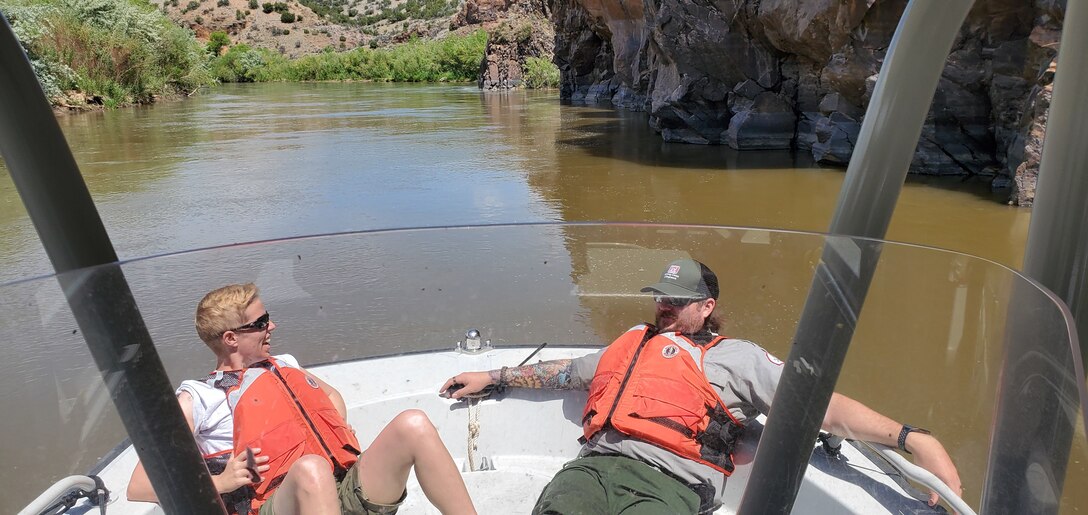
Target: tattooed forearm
{"points": [[555, 375]]}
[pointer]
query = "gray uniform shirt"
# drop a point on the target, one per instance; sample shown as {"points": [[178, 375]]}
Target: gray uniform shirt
{"points": [[745, 377]]}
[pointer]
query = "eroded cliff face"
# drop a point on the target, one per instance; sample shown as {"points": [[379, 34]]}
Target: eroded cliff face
{"points": [[778, 74], [517, 29]]}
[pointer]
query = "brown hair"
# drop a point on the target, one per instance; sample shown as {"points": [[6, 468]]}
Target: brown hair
{"points": [[713, 321], [222, 309]]}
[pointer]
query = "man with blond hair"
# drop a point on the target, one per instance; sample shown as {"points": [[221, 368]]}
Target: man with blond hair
{"points": [[235, 325]]}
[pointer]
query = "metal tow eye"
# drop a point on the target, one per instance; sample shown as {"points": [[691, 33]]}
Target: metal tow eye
{"points": [[472, 343]]}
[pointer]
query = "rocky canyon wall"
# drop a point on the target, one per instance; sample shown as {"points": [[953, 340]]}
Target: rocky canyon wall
{"points": [[780, 74], [517, 29]]}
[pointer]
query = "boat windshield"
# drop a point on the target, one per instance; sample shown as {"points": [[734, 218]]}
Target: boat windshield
{"points": [[929, 350]]}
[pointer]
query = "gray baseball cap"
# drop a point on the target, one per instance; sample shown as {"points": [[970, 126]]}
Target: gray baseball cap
{"points": [[686, 278]]}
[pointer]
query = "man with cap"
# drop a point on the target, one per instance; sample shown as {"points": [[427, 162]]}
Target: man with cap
{"points": [[659, 436]]}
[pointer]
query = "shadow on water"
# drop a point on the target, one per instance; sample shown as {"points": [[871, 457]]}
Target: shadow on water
{"points": [[627, 136], [596, 128], [606, 115], [978, 186]]}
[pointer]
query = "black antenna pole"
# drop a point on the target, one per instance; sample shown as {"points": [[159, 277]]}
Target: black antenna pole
{"points": [[55, 196]]}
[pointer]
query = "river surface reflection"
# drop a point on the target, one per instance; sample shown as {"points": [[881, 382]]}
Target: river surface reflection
{"points": [[251, 162]]}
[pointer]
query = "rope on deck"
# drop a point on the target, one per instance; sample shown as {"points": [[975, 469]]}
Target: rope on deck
{"points": [[473, 431]]}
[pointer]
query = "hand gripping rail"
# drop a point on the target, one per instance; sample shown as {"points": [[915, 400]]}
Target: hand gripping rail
{"points": [[910, 471]]}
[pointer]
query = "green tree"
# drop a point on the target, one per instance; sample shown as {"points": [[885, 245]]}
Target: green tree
{"points": [[454, 58], [239, 64], [216, 41]]}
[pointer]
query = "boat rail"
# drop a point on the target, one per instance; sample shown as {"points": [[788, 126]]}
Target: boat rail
{"points": [[909, 470], [66, 493]]}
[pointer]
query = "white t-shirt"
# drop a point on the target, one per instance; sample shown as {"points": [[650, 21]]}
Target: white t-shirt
{"points": [[213, 423]]}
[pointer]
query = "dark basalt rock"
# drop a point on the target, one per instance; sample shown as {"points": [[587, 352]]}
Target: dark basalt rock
{"points": [[835, 135], [764, 123], [757, 74]]}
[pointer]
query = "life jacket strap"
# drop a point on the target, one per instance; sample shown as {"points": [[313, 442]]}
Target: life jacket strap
{"points": [[719, 439], [239, 501]]}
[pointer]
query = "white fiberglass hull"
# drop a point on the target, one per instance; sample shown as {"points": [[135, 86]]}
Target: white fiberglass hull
{"points": [[525, 436]]}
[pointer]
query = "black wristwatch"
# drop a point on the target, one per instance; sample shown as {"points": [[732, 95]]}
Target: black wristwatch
{"points": [[906, 431]]}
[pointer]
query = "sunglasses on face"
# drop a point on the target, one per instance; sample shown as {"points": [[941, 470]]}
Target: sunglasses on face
{"points": [[260, 324], [676, 302]]}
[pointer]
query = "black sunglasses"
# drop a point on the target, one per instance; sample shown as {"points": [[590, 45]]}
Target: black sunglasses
{"points": [[676, 302], [260, 324]]}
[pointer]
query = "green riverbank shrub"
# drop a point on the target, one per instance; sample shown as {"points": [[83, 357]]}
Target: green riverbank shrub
{"points": [[216, 41], [452, 59], [123, 51], [241, 64], [540, 73]]}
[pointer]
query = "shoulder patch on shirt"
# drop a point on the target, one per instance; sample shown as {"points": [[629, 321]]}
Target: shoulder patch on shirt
{"points": [[670, 351], [310, 381], [773, 359]]}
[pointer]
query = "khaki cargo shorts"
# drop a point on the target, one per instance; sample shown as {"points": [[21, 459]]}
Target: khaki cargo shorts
{"points": [[353, 500]]}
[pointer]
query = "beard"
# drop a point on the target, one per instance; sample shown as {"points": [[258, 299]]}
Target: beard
{"points": [[664, 321]]}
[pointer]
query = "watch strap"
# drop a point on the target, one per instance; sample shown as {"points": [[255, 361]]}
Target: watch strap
{"points": [[906, 431]]}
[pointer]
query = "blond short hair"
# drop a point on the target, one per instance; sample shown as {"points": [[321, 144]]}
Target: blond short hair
{"points": [[223, 309]]}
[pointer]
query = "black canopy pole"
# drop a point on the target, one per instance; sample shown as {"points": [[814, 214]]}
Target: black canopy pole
{"points": [[874, 178], [1042, 377], [55, 196]]}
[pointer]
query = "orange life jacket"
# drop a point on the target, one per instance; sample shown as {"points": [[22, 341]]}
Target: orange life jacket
{"points": [[652, 387], [285, 413]]}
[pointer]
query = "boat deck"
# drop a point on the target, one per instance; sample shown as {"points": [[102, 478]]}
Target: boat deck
{"points": [[525, 436]]}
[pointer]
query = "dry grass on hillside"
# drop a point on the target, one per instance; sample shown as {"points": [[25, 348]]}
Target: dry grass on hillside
{"points": [[307, 34]]}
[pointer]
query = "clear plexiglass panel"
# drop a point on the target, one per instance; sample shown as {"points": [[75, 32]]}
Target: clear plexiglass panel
{"points": [[938, 333]]}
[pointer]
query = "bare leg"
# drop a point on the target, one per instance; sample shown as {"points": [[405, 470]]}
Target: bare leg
{"points": [[308, 488], [410, 439]]}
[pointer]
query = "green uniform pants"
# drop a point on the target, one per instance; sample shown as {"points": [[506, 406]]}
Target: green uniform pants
{"points": [[609, 485]]}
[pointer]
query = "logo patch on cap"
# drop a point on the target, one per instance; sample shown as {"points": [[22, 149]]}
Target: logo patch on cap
{"points": [[673, 272], [670, 351]]}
